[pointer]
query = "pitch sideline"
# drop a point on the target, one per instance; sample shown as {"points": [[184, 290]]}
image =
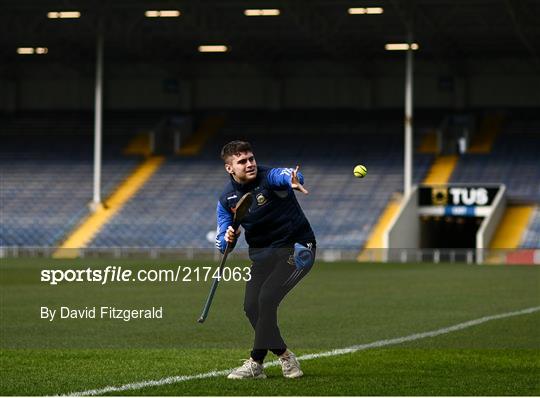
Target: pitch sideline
{"points": [[341, 351]]}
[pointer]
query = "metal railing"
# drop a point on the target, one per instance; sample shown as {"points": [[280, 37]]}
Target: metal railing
{"points": [[469, 256]]}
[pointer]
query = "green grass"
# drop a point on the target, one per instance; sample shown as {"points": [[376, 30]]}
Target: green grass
{"points": [[337, 305]]}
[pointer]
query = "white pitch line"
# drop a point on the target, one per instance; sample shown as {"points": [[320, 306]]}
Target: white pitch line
{"points": [[341, 351]]}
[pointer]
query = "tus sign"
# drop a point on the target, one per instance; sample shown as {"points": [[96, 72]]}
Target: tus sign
{"points": [[469, 196], [456, 196]]}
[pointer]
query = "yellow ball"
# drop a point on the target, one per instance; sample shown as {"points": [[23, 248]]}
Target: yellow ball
{"points": [[360, 171]]}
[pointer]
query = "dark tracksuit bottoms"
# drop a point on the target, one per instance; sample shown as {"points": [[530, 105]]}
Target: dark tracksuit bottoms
{"points": [[270, 282]]}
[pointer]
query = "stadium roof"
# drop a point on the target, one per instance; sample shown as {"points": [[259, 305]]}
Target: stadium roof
{"points": [[305, 29]]}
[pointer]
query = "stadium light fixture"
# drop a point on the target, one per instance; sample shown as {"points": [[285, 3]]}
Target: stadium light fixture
{"points": [[162, 13], [32, 50], [263, 12], [365, 10], [63, 14], [400, 46], [213, 48], [25, 50]]}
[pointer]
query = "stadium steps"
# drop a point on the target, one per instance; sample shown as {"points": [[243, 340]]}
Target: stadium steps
{"points": [[139, 145], [439, 173], [376, 238], [441, 170], [84, 233], [195, 143], [490, 128], [512, 227], [429, 143]]}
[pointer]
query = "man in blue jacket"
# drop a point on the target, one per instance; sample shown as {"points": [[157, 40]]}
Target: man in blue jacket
{"points": [[281, 248]]}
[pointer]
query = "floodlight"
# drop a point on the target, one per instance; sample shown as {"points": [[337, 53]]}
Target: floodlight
{"points": [[400, 46], [264, 12], [213, 48], [63, 14], [162, 13]]}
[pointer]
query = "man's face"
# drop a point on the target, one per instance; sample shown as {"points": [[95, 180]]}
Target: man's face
{"points": [[242, 167]]}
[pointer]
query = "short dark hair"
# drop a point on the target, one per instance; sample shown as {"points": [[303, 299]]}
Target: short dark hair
{"points": [[234, 148]]}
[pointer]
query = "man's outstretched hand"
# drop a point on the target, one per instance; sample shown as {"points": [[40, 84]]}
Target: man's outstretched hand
{"points": [[295, 183]]}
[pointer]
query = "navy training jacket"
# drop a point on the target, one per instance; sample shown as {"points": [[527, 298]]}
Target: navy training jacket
{"points": [[275, 219]]}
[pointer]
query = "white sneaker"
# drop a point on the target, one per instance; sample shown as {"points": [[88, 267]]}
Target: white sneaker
{"points": [[290, 366], [249, 370]]}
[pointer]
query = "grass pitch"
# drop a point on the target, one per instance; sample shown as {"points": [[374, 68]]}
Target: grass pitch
{"points": [[338, 305]]}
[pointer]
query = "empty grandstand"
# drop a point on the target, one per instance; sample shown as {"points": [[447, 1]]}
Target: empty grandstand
{"points": [[47, 176], [47, 170], [512, 161], [176, 208]]}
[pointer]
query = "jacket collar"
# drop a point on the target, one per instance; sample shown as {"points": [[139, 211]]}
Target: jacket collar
{"points": [[246, 187]]}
